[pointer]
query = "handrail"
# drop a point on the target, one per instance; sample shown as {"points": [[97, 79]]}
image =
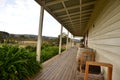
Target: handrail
{"points": [[110, 68]]}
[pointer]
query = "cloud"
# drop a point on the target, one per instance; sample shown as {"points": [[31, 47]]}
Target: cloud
{"points": [[19, 15], [2, 3], [22, 17]]}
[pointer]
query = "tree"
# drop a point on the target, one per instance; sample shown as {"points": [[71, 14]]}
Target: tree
{"points": [[64, 38], [3, 36]]}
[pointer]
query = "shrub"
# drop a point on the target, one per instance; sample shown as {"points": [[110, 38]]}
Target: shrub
{"points": [[48, 52], [31, 48], [45, 44], [17, 63]]}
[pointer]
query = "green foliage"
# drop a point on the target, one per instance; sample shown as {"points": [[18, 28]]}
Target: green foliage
{"points": [[45, 44], [20, 63], [17, 63], [31, 48], [48, 52], [64, 38]]}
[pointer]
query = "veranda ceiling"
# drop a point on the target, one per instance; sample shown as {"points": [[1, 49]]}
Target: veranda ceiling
{"points": [[72, 14]]}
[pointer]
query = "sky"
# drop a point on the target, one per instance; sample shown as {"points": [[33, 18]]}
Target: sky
{"points": [[22, 17]]}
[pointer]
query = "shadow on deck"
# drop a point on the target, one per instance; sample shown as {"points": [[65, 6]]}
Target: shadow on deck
{"points": [[61, 67]]}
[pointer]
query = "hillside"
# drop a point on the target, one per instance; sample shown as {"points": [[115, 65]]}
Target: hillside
{"points": [[5, 36]]}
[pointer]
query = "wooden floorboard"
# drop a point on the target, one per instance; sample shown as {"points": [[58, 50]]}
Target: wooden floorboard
{"points": [[61, 67]]}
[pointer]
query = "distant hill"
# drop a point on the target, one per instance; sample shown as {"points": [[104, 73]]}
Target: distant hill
{"points": [[22, 37], [30, 36]]}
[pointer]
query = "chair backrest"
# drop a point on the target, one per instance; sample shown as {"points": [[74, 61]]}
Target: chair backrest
{"points": [[87, 56], [109, 73]]}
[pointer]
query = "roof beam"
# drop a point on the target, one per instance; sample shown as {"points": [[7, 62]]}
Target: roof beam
{"points": [[79, 22], [77, 25], [54, 2], [73, 7], [76, 13], [62, 16], [80, 13], [76, 16], [67, 12], [76, 20], [82, 24]]}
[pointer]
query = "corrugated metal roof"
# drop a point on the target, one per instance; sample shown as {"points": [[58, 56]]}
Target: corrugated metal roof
{"points": [[72, 14]]}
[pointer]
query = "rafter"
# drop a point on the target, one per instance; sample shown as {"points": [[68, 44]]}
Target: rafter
{"points": [[54, 2], [67, 12], [80, 13], [84, 18], [83, 23], [73, 7], [76, 16], [76, 13], [79, 22], [62, 16], [76, 23]]}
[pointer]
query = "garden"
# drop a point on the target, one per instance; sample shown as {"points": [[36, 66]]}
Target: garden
{"points": [[17, 63]]}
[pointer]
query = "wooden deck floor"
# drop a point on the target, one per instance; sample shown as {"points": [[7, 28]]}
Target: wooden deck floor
{"points": [[61, 67]]}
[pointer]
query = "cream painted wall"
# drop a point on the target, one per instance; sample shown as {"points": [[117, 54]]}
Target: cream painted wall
{"points": [[104, 34]]}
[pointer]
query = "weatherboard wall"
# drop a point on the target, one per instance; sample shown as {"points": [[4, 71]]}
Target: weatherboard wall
{"points": [[104, 34]]}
